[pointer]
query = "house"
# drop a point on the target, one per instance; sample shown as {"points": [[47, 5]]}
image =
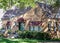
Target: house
{"points": [[40, 18]]}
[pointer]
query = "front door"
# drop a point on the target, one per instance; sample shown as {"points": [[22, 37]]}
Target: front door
{"points": [[21, 26]]}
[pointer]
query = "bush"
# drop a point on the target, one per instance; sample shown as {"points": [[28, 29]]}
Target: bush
{"points": [[1, 35], [34, 35], [56, 39], [25, 34]]}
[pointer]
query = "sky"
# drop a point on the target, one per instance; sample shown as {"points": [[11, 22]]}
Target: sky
{"points": [[1, 15]]}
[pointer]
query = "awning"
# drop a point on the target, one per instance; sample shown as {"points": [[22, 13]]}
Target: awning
{"points": [[8, 23], [21, 19], [35, 23]]}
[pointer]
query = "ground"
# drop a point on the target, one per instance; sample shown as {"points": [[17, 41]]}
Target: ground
{"points": [[6, 40]]}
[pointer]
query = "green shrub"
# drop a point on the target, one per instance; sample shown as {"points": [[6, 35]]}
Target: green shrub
{"points": [[34, 35], [56, 39], [1, 35]]}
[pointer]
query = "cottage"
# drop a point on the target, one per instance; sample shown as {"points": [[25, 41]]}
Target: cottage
{"points": [[39, 18]]}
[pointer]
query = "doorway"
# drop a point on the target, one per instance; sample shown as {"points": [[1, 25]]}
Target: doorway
{"points": [[21, 26]]}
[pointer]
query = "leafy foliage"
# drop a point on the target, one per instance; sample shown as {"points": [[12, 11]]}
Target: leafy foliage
{"points": [[57, 3], [34, 35], [21, 3]]}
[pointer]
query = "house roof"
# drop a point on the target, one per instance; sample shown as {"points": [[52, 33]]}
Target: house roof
{"points": [[16, 12], [46, 8]]}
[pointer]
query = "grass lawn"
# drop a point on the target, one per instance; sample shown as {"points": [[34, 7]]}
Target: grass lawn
{"points": [[6, 40]]}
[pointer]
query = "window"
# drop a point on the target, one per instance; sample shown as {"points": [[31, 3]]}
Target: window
{"points": [[55, 27], [49, 25], [16, 23], [59, 26], [39, 28], [34, 28], [58, 15], [31, 28], [8, 27]]}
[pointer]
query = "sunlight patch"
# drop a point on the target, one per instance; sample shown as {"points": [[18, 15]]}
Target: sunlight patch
{"points": [[14, 39]]}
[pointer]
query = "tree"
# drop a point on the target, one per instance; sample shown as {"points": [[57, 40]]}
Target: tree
{"points": [[56, 5], [20, 3]]}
